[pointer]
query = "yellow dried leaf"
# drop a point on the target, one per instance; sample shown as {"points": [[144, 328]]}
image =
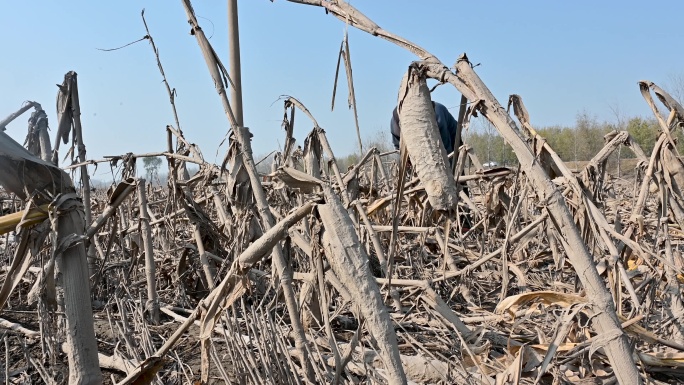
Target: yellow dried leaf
{"points": [[632, 264], [34, 216]]}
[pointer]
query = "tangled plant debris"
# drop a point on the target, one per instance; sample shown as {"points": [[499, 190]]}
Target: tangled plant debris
{"points": [[314, 275]]}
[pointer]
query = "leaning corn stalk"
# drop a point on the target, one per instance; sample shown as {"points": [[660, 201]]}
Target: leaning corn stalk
{"points": [[420, 134], [27, 106], [588, 188], [45, 183], [349, 261], [606, 323]]}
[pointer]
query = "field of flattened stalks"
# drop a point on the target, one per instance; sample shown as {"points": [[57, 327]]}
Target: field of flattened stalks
{"points": [[388, 272]]}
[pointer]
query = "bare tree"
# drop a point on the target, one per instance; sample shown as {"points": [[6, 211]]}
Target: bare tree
{"points": [[620, 125], [152, 165]]}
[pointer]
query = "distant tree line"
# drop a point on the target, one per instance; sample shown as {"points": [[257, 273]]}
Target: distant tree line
{"points": [[576, 143], [572, 143]]}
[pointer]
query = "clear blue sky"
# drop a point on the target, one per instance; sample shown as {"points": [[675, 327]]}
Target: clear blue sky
{"points": [[563, 57]]}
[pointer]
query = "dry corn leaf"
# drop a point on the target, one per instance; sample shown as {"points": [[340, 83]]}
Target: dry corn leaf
{"points": [[513, 303], [663, 359]]}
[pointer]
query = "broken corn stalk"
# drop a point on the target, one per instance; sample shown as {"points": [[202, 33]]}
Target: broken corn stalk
{"points": [[9, 222], [420, 135]]}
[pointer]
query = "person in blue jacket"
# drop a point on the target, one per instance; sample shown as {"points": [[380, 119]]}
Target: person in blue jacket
{"points": [[445, 121]]}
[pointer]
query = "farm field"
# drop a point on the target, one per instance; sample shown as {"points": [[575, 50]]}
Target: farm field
{"points": [[406, 267]]}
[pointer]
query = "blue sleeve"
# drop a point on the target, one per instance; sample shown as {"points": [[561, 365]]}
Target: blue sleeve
{"points": [[394, 129], [447, 126], [453, 125]]}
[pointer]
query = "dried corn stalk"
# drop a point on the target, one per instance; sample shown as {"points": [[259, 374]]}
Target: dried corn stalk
{"points": [[349, 261], [43, 182], [420, 134]]}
